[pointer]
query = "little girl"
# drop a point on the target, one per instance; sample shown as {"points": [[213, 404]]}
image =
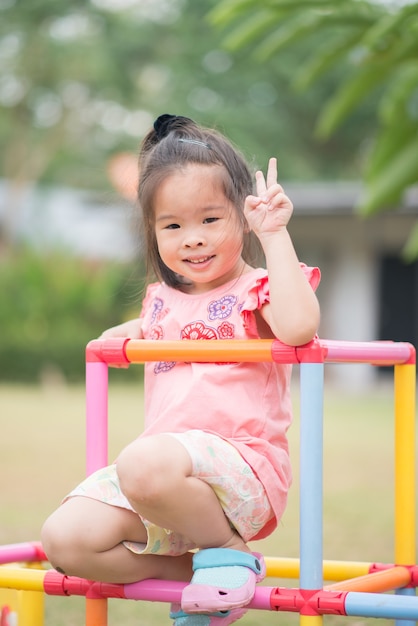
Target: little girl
{"points": [[211, 470]]}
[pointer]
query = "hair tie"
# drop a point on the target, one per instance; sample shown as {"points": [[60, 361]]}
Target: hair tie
{"points": [[162, 125], [167, 122]]}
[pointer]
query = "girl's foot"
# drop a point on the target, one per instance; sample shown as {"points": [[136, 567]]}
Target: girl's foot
{"points": [[216, 619], [223, 579]]}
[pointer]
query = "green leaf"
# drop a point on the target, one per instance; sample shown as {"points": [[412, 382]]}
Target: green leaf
{"points": [[410, 250], [395, 102], [325, 58], [228, 10], [251, 29], [288, 33], [389, 142], [388, 186], [350, 94], [302, 25], [389, 28]]}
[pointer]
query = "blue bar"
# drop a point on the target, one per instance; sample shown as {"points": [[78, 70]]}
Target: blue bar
{"points": [[406, 591], [311, 464], [382, 605]]}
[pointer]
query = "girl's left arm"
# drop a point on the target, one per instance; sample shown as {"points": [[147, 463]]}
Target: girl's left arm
{"points": [[293, 312]]}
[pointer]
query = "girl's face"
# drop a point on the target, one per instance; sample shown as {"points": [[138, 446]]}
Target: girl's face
{"points": [[199, 235]]}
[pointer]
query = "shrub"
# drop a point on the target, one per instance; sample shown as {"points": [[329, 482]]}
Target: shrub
{"points": [[51, 306]]}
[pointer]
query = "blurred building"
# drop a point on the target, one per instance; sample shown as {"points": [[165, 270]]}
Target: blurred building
{"points": [[93, 225], [367, 291]]}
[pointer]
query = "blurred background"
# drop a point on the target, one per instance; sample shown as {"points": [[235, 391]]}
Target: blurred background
{"points": [[330, 88]]}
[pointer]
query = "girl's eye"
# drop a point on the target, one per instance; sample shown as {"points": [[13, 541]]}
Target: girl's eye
{"points": [[172, 226], [210, 220]]}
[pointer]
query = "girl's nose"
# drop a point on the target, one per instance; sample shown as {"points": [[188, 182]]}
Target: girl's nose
{"points": [[194, 240]]}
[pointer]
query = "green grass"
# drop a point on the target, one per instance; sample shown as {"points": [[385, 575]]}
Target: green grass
{"points": [[42, 458]]}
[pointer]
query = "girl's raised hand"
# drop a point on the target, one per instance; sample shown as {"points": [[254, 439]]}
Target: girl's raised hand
{"points": [[271, 209]]}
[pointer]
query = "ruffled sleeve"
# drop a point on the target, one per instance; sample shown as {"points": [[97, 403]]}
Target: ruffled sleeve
{"points": [[259, 294], [148, 298], [313, 274]]}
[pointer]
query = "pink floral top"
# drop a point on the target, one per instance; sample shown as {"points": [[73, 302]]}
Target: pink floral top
{"points": [[248, 404]]}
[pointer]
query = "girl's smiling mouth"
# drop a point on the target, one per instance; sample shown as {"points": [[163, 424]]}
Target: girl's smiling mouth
{"points": [[200, 260]]}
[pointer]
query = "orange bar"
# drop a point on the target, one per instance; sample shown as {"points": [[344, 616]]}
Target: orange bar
{"points": [[96, 612], [198, 351], [385, 580]]}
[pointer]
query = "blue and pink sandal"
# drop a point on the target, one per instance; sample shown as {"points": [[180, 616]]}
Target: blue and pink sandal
{"points": [[223, 580], [221, 618]]}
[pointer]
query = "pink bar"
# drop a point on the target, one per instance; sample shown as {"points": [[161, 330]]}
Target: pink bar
{"points": [[155, 590], [110, 350], [96, 415], [262, 598], [374, 352], [170, 591], [16, 552]]}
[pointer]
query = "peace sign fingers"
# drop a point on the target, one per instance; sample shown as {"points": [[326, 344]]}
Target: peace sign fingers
{"points": [[272, 172], [271, 209], [263, 184]]}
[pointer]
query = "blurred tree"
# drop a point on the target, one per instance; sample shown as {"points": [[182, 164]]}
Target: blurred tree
{"points": [[374, 47], [83, 81]]}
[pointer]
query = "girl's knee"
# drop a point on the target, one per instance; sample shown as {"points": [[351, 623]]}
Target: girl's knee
{"points": [[150, 467], [64, 537], [138, 472], [59, 543]]}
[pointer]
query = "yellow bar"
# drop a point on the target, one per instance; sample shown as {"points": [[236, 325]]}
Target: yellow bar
{"points": [[310, 620], [251, 350], [21, 578], [31, 608], [341, 570], [280, 567], [405, 464]]}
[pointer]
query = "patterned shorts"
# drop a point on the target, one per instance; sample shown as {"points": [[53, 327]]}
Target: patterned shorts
{"points": [[216, 462]]}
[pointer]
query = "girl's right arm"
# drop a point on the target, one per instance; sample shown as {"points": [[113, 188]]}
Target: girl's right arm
{"points": [[131, 329]]}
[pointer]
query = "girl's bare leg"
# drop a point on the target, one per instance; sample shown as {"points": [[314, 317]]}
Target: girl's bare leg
{"points": [[155, 474], [83, 537]]}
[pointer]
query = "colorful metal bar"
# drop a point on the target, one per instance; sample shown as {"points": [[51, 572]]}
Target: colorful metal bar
{"points": [[26, 579], [124, 351], [281, 567], [198, 351], [311, 445], [96, 415], [374, 352], [26, 551], [96, 451], [385, 580], [310, 620], [405, 494], [381, 605]]}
